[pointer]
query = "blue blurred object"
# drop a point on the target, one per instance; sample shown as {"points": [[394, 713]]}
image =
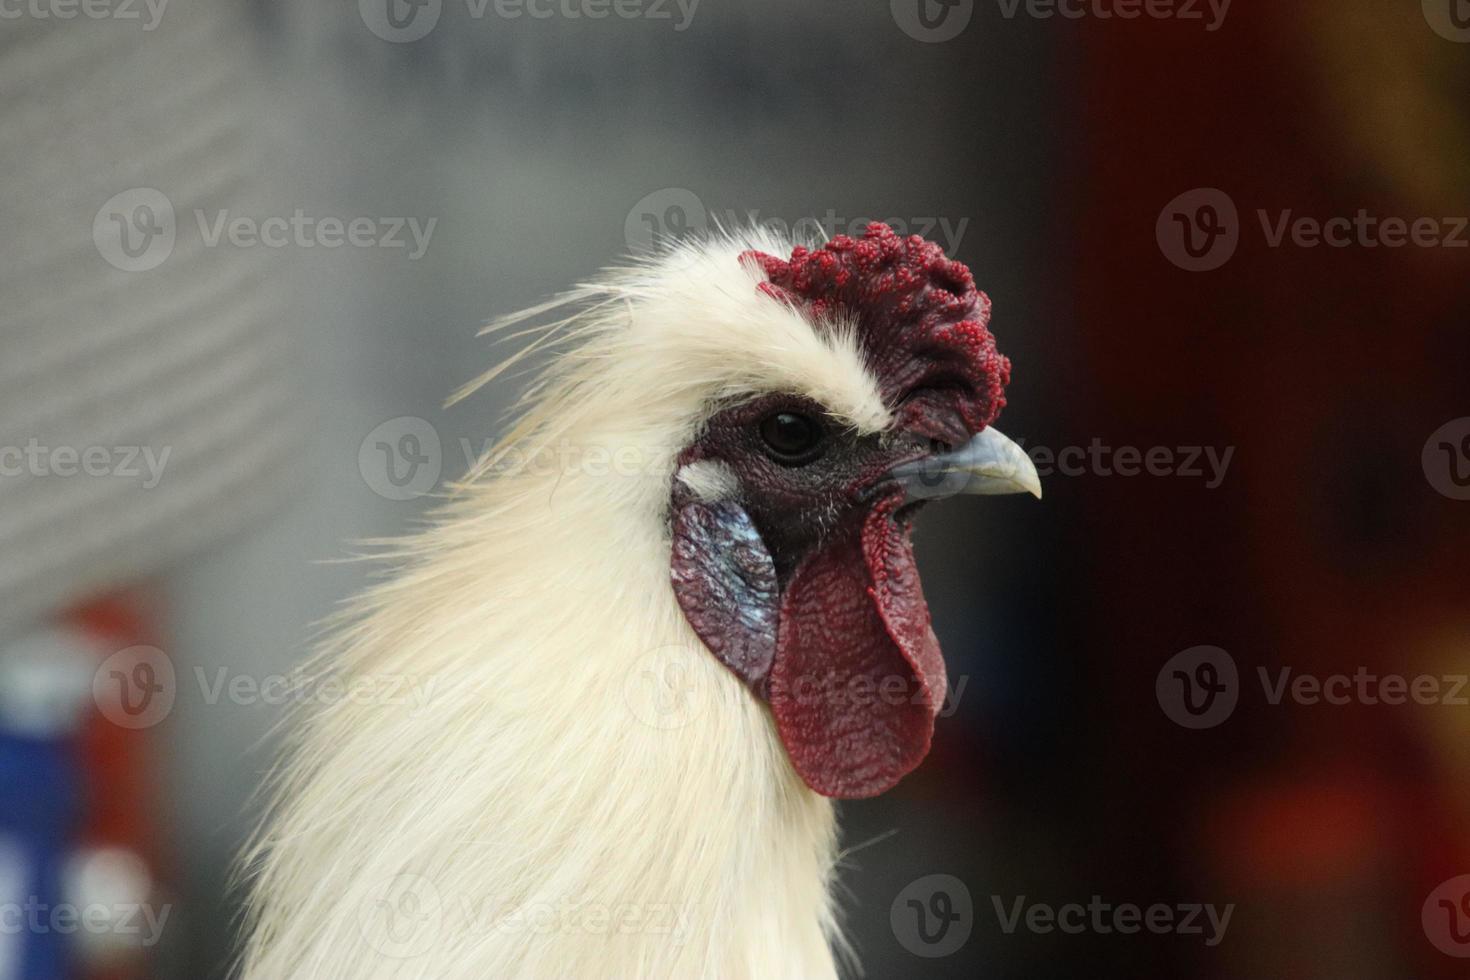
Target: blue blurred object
{"points": [[44, 681]]}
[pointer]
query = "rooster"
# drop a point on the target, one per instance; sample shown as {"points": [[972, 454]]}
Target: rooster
{"points": [[669, 620]]}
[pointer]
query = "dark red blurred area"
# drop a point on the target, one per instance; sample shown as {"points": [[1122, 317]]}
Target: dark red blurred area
{"points": [[1326, 550]]}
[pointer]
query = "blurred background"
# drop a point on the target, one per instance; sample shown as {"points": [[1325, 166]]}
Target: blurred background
{"points": [[248, 247]]}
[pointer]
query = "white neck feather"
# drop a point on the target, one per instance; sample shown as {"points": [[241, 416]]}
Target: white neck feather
{"points": [[579, 789]]}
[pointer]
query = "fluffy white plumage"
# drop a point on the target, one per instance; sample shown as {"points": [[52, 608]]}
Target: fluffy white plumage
{"points": [[587, 791]]}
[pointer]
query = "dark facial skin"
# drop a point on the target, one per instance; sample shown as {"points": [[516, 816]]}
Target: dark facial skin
{"points": [[793, 506]]}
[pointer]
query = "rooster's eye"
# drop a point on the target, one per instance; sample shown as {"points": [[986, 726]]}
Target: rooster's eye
{"points": [[791, 439]]}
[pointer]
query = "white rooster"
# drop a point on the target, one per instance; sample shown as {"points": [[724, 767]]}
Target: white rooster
{"points": [[666, 622]]}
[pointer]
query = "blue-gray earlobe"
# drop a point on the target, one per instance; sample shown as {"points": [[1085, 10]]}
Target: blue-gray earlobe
{"points": [[725, 582]]}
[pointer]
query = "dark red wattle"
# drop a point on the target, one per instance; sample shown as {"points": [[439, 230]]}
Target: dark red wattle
{"points": [[858, 677]]}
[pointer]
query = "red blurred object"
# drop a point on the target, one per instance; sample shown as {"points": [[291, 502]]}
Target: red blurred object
{"points": [[121, 842]]}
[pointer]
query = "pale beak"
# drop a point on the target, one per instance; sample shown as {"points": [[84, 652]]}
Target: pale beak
{"points": [[990, 463]]}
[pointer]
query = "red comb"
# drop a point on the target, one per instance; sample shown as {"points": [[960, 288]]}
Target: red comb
{"points": [[918, 314]]}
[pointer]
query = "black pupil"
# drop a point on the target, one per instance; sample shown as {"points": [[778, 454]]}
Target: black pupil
{"points": [[791, 437]]}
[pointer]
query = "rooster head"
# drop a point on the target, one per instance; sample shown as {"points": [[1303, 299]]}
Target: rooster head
{"points": [[791, 513]]}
